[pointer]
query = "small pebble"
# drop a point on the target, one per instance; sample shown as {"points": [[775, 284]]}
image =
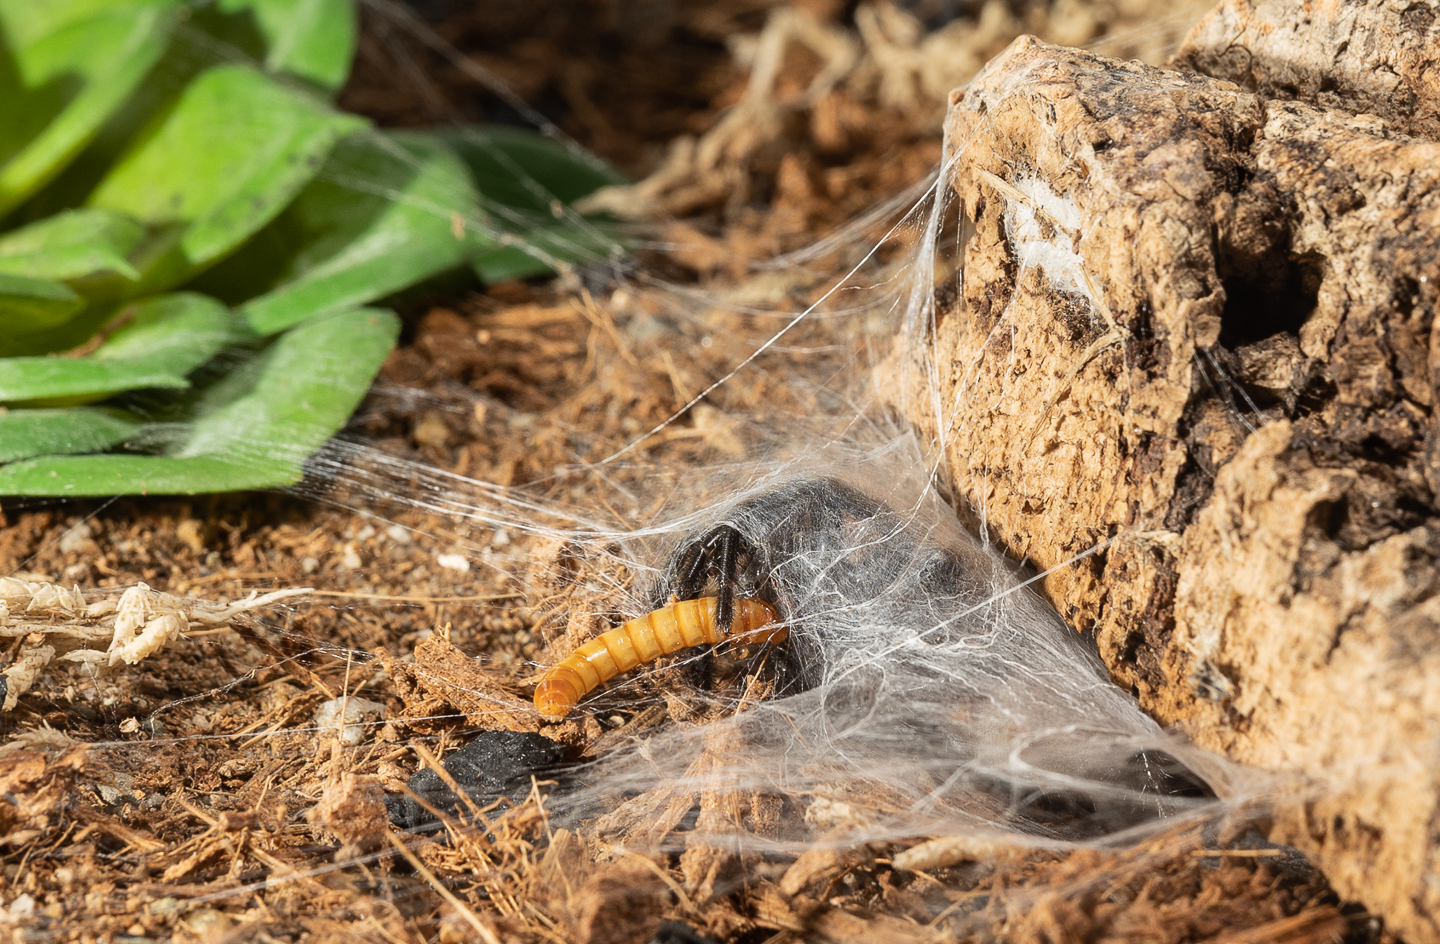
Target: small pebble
{"points": [[207, 923], [76, 538], [432, 431], [111, 795], [356, 711], [351, 558], [457, 562], [398, 534], [189, 531]]}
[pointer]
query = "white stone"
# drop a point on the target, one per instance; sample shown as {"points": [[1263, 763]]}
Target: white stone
{"points": [[457, 562], [353, 712]]}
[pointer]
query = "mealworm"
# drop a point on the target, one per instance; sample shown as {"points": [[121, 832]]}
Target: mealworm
{"points": [[646, 638]]}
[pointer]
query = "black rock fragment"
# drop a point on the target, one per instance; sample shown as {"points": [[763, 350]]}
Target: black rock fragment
{"points": [[494, 765]]}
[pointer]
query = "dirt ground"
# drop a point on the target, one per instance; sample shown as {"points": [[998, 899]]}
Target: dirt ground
{"points": [[225, 814]]}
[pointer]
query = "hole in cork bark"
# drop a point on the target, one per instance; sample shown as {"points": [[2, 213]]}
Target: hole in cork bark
{"points": [[1270, 299], [1328, 517]]}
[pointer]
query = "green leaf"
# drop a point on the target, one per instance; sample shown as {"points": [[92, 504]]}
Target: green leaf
{"points": [[43, 380], [527, 181], [255, 429], [72, 329], [134, 475], [26, 433], [190, 52], [28, 304], [542, 240], [166, 338], [232, 152], [72, 245], [310, 382], [508, 262], [525, 170], [65, 67], [173, 333], [386, 211], [86, 248], [312, 39]]}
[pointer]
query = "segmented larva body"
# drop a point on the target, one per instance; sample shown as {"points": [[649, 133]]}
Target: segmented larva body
{"points": [[646, 638]]}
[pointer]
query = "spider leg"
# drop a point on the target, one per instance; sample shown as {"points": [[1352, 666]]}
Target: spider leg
{"points": [[726, 557], [690, 570]]}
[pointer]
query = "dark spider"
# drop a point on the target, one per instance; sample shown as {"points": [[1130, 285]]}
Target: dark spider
{"points": [[823, 535], [820, 534], [806, 520], [820, 546]]}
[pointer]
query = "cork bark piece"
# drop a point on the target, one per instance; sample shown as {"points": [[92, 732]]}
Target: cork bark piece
{"points": [[1376, 56], [1197, 323]]}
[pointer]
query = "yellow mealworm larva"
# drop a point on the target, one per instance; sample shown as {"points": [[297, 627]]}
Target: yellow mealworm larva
{"points": [[646, 638]]}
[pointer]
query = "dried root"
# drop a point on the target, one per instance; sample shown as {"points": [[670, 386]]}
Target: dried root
{"points": [[891, 61], [53, 622], [707, 171]]}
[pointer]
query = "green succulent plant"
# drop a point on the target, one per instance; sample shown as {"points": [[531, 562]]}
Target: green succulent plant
{"points": [[192, 237]]}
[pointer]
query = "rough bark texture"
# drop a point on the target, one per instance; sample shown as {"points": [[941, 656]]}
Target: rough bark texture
{"points": [[1198, 322], [1378, 56]]}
